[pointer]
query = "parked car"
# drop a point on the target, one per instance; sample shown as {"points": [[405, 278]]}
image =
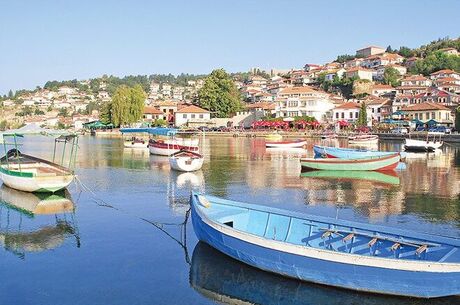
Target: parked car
{"points": [[399, 130], [440, 129], [204, 128]]}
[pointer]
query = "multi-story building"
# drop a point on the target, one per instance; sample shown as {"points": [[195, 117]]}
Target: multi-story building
{"points": [[304, 101], [429, 111], [361, 73], [414, 84], [368, 51], [384, 59], [192, 116]]}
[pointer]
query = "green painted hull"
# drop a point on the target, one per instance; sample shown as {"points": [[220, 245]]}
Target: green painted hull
{"points": [[354, 175], [364, 164]]}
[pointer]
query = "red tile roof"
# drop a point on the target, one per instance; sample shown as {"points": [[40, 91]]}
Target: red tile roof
{"points": [[445, 71], [348, 105], [297, 90], [425, 107], [192, 109], [152, 110]]}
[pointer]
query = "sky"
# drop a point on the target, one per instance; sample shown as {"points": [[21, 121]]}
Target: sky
{"points": [[61, 40]]}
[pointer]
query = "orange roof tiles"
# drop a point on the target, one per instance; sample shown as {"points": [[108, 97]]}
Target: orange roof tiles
{"points": [[425, 107], [297, 90], [445, 71], [152, 110], [348, 105], [192, 109]]}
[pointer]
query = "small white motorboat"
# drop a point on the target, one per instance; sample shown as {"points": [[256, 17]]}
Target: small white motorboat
{"points": [[186, 161], [163, 148], [136, 143], [363, 139], [422, 145], [286, 144]]}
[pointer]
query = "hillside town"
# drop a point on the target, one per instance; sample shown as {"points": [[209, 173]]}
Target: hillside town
{"points": [[278, 93]]}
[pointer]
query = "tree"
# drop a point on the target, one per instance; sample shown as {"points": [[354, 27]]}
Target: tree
{"points": [[64, 112], [435, 62], [219, 94], [3, 125], [405, 52], [106, 114], [127, 105], [38, 112], [389, 49], [457, 119], [362, 116], [10, 94], [391, 76]]}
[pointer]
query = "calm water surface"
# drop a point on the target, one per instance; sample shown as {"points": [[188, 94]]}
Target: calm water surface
{"points": [[123, 242]]}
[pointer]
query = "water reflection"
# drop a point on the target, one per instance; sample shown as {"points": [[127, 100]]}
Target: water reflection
{"points": [[225, 280], [31, 222]]}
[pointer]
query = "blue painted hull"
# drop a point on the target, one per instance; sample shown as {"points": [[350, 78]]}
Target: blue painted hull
{"points": [[356, 277], [346, 153]]}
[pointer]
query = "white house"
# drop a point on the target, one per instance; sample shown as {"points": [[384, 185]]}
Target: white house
{"points": [[153, 113], [304, 101], [192, 116], [349, 112], [380, 89], [370, 50], [361, 73], [335, 72]]}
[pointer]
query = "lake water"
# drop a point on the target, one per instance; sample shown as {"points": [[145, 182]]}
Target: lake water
{"points": [[120, 239]]}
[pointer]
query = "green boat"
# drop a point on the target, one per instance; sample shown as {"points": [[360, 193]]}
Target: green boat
{"points": [[374, 163], [388, 177]]}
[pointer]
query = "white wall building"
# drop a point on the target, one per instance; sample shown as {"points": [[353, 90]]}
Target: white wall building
{"points": [[192, 116], [304, 101]]}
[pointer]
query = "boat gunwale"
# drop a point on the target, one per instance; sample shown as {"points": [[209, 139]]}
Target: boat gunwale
{"points": [[16, 173], [443, 240], [325, 148], [367, 159], [285, 142]]}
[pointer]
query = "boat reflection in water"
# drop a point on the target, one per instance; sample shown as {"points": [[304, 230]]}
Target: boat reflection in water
{"points": [[388, 177], [227, 281], [31, 222]]}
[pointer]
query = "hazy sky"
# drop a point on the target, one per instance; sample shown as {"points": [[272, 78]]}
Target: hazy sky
{"points": [[58, 40]]}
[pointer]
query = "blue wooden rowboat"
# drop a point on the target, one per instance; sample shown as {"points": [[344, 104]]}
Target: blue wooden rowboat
{"points": [[328, 251], [347, 153]]}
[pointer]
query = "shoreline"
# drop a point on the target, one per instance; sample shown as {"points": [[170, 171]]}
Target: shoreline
{"points": [[447, 138]]}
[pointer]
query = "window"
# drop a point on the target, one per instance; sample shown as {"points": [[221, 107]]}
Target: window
{"points": [[201, 116], [343, 115], [351, 115], [184, 116], [379, 110], [427, 116], [356, 114], [192, 116], [336, 115], [416, 116], [372, 110]]}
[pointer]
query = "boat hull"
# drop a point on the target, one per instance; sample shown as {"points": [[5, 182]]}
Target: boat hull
{"points": [[365, 164], [321, 271], [186, 164], [286, 144], [164, 149], [421, 146], [36, 184]]}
